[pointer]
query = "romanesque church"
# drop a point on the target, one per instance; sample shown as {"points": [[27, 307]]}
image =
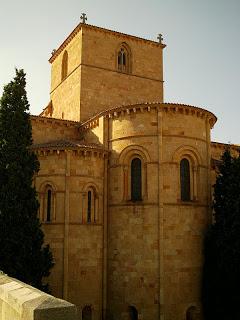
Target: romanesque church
{"points": [[125, 180]]}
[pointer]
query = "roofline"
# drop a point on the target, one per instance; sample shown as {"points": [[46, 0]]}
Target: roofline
{"points": [[165, 106], [85, 25], [50, 119], [225, 145], [65, 42], [80, 147]]}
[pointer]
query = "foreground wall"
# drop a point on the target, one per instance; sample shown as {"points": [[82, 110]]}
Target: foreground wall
{"points": [[19, 301]]}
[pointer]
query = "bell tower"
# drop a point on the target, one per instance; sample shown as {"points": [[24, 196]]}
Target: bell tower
{"points": [[95, 69]]}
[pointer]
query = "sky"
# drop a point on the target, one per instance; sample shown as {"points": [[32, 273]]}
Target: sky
{"points": [[201, 60]]}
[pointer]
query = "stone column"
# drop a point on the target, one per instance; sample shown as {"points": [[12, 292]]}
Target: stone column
{"points": [[66, 227]]}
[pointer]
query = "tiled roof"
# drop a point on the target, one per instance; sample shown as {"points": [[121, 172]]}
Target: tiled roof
{"points": [[55, 119], [67, 144]]}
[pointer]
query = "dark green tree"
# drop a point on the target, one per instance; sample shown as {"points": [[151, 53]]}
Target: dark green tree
{"points": [[221, 271], [22, 253]]}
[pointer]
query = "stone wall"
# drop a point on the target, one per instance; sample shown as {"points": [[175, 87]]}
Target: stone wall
{"points": [[19, 301], [155, 245], [77, 244], [65, 93], [48, 129], [217, 150], [145, 254]]}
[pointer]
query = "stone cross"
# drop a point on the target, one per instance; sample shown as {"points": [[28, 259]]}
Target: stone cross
{"points": [[160, 38], [83, 17]]}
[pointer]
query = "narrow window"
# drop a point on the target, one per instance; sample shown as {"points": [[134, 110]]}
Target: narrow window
{"points": [[87, 313], [136, 180], [133, 313], [49, 205], [89, 206], [123, 59], [119, 60], [64, 65], [185, 179]]}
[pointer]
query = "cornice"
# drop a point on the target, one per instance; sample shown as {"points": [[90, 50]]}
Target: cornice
{"points": [[124, 110], [62, 122], [121, 34], [83, 151], [224, 146], [82, 26], [77, 147]]}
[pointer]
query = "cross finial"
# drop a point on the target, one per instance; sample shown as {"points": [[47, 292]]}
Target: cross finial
{"points": [[160, 38], [83, 17]]}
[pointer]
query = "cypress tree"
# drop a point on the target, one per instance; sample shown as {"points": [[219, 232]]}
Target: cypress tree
{"points": [[221, 272], [22, 253]]}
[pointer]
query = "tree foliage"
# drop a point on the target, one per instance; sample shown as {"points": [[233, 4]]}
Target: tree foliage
{"points": [[221, 272], [22, 253]]}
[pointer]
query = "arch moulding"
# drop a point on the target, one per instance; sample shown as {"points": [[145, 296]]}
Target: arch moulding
{"points": [[131, 151], [189, 152], [47, 183]]}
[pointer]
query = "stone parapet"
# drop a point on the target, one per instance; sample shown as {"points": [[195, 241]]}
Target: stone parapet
{"points": [[19, 301]]}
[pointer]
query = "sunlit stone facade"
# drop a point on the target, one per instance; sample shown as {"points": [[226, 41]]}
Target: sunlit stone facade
{"points": [[125, 181]]}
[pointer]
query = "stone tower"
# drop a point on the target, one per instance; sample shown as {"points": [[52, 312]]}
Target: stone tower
{"points": [[95, 69]]}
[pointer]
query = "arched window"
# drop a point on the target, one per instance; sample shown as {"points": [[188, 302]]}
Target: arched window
{"points": [[49, 199], [87, 313], [133, 313], [185, 180], [191, 313], [64, 65], [134, 160], [49, 205], [123, 59], [91, 205], [136, 179]]}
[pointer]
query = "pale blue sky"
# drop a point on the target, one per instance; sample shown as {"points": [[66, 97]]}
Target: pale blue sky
{"points": [[201, 61]]}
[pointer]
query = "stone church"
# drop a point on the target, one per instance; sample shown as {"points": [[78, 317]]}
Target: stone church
{"points": [[125, 180]]}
